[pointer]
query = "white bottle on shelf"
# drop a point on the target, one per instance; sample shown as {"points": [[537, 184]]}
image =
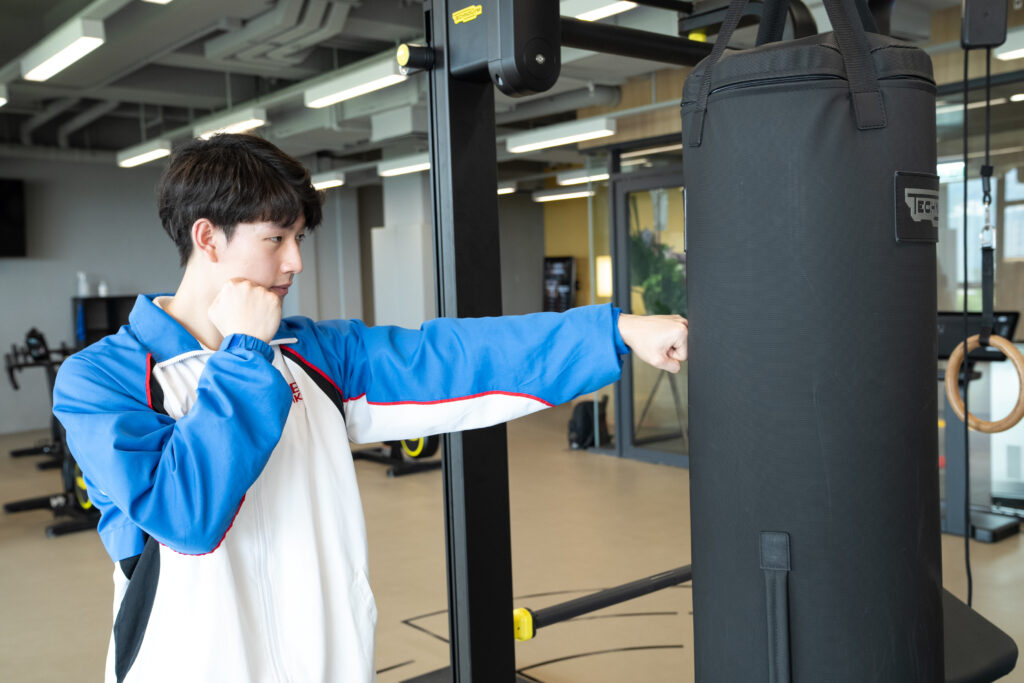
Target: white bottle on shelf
{"points": [[83, 284]]}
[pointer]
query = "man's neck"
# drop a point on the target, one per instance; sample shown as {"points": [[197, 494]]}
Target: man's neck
{"points": [[190, 306]]}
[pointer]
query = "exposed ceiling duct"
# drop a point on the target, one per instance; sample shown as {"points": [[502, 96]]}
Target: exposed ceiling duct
{"points": [[283, 34], [54, 110], [83, 119]]}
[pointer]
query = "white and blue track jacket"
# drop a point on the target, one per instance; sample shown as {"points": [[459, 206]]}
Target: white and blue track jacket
{"points": [[227, 487]]}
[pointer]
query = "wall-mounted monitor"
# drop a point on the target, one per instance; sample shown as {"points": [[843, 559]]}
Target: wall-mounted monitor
{"points": [[12, 218]]}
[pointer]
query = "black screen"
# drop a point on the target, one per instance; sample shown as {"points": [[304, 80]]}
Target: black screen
{"points": [[12, 218], [951, 332]]}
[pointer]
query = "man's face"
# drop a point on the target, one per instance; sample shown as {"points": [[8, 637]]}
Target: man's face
{"points": [[264, 253]]}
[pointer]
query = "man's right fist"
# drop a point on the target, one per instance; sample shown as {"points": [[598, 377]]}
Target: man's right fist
{"points": [[243, 307]]}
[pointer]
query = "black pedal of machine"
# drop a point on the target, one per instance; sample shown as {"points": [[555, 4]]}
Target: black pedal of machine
{"points": [[983, 23], [515, 43], [989, 528]]}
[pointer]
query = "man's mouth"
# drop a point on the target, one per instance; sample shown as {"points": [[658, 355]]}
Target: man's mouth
{"points": [[280, 290]]}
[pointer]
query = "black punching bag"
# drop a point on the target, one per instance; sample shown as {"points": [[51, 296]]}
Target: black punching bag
{"points": [[811, 221]]}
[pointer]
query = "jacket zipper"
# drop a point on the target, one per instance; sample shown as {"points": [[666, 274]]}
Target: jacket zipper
{"points": [[274, 648]]}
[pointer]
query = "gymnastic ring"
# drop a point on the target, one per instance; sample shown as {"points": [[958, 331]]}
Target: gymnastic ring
{"points": [[956, 359]]}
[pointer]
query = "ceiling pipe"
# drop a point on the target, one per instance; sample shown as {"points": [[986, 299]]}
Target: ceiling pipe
{"points": [[296, 51], [283, 17], [55, 109], [82, 120]]}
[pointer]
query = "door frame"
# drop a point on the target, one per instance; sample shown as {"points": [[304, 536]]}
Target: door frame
{"points": [[620, 185]]}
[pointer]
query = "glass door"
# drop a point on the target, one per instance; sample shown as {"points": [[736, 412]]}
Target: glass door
{"points": [[648, 236]]}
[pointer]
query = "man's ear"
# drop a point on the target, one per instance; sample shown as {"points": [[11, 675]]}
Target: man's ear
{"points": [[207, 239]]}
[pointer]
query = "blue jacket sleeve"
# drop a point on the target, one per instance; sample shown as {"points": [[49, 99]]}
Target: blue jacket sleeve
{"points": [[179, 481], [457, 374]]}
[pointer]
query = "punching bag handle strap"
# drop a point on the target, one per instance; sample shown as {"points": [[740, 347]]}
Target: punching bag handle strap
{"points": [[775, 565], [729, 24], [868, 107], [773, 20], [866, 96]]}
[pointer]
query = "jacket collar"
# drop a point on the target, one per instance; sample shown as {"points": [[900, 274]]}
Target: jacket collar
{"points": [[164, 337]]}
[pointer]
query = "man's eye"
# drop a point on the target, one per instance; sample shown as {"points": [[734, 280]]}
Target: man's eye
{"points": [[275, 239], [301, 237]]}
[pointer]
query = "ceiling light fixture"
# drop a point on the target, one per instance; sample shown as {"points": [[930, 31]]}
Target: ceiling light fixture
{"points": [[62, 48], [144, 153], [3, 94], [359, 81], [650, 150], [1013, 48], [236, 121], [507, 187], [414, 163], [556, 195], [1019, 97], [560, 134], [581, 176], [328, 179], [588, 10], [953, 108]]}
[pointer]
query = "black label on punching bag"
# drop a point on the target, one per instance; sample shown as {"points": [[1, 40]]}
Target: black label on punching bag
{"points": [[916, 197]]}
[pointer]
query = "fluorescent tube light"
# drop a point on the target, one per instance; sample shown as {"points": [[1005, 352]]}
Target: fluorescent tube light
{"points": [[328, 179], [953, 108], [158, 2], [3, 94], [581, 176], [593, 11], [144, 153], [233, 122], [62, 48], [403, 165], [560, 134], [358, 82], [507, 187], [1019, 97], [950, 171], [556, 195], [1013, 48], [650, 150]]}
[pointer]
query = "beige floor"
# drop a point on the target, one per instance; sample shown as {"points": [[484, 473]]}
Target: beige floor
{"points": [[579, 522]]}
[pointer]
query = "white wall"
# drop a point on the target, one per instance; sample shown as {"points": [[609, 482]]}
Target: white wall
{"points": [[521, 225], [81, 216], [403, 253]]}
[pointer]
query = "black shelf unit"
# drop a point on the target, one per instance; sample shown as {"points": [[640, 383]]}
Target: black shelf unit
{"points": [[94, 317]]}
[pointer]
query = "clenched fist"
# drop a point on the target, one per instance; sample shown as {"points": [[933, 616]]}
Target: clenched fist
{"points": [[659, 340], [243, 307]]}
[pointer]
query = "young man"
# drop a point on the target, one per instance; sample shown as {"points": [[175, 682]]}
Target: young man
{"points": [[214, 436]]}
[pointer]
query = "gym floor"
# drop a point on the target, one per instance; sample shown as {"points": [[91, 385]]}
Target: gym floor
{"points": [[580, 522]]}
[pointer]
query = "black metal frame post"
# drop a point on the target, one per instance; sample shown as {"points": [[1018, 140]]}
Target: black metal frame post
{"points": [[464, 180], [468, 284]]}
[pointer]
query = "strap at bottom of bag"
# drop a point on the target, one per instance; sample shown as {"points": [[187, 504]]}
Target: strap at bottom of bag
{"points": [[775, 565]]}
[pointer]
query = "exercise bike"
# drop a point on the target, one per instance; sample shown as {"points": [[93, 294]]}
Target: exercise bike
{"points": [[35, 353], [73, 501], [407, 456]]}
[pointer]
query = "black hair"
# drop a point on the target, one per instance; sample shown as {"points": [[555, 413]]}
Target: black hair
{"points": [[231, 179]]}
